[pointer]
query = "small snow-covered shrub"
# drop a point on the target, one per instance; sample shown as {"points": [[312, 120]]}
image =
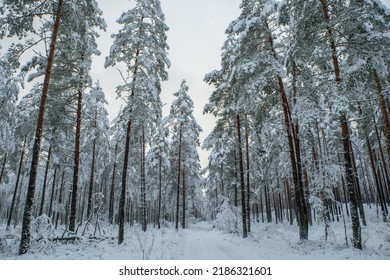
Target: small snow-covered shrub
{"points": [[41, 227], [41, 231], [227, 218]]}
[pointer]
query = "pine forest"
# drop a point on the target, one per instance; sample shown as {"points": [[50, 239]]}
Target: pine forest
{"points": [[297, 146]]}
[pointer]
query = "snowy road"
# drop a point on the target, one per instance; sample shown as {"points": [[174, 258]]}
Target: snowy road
{"points": [[202, 243]]}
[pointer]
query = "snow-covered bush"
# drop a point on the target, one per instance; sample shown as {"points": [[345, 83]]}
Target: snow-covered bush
{"points": [[227, 218], [41, 227]]}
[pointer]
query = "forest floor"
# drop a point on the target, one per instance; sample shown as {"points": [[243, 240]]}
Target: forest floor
{"points": [[202, 242]]}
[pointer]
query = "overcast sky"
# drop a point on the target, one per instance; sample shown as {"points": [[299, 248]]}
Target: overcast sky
{"points": [[195, 37]]}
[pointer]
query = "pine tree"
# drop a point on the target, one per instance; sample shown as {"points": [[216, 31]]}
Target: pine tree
{"points": [[185, 141], [25, 239], [141, 46]]}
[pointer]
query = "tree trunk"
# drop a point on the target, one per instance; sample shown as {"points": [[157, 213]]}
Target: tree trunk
{"points": [[159, 191], [248, 216], [122, 201], [184, 196], [357, 242], [25, 238], [143, 183], [236, 175], [385, 114], [16, 186], [178, 177], [3, 167], [53, 192], [356, 230], [222, 182], [76, 164], [293, 141], [383, 159], [378, 183], [112, 192], [242, 180], [60, 196], [45, 182], [357, 188], [91, 179]]}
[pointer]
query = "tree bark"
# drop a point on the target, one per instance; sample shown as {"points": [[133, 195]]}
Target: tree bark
{"points": [[3, 167], [25, 238], [242, 180], [357, 242], [112, 191], [248, 216], [16, 186], [44, 183], [143, 183], [76, 164], [383, 159], [184, 196], [53, 192], [159, 191], [356, 230], [122, 200], [385, 114], [91, 179], [178, 177], [295, 157]]}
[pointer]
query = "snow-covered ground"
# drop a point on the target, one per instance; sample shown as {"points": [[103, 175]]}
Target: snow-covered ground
{"points": [[202, 242]]}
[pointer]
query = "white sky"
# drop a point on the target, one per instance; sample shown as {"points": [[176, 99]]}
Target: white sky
{"points": [[195, 38]]}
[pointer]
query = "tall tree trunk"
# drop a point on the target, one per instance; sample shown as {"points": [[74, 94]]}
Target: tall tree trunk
{"points": [[25, 238], [236, 175], [76, 164], [383, 159], [91, 179], [184, 196], [53, 192], [60, 196], [3, 167], [45, 182], [356, 230], [357, 241], [242, 180], [385, 114], [378, 183], [16, 186], [248, 214], [143, 183], [222, 182], [293, 141], [122, 200], [112, 191], [357, 188], [178, 177], [159, 190]]}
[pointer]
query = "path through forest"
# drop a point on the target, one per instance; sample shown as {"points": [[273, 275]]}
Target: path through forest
{"points": [[203, 243]]}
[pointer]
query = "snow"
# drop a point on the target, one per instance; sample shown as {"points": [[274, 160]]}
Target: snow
{"points": [[203, 242]]}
